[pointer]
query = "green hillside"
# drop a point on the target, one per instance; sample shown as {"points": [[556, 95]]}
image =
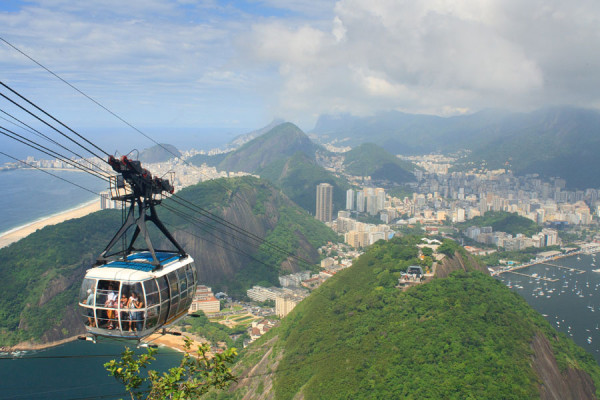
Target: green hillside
{"points": [[41, 274], [210, 160], [502, 221], [298, 177], [462, 337], [371, 160], [280, 142]]}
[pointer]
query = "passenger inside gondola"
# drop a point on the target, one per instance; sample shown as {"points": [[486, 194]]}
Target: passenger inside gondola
{"points": [[106, 301], [137, 316], [123, 306]]}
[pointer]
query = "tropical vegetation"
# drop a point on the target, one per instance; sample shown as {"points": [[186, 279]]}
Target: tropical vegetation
{"points": [[358, 336]]}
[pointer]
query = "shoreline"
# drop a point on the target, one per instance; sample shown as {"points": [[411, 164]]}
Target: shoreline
{"points": [[175, 343], [29, 346], [15, 234]]}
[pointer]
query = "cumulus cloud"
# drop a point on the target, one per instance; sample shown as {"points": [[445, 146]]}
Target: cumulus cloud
{"points": [[299, 59], [436, 56]]}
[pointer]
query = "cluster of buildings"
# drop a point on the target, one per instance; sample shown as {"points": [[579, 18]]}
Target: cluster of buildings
{"points": [[31, 162], [485, 234], [370, 200], [285, 298], [183, 174], [359, 234], [460, 196]]}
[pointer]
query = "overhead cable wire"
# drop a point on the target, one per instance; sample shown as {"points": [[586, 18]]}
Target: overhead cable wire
{"points": [[105, 108], [49, 125], [49, 173], [149, 138], [247, 235], [58, 121], [222, 221], [60, 156], [51, 153], [36, 132], [227, 246]]}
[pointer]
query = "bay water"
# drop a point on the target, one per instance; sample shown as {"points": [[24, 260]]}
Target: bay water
{"points": [[29, 194], [566, 292], [71, 371]]}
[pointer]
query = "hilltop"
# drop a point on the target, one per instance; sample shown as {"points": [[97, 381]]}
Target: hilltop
{"points": [[40, 275], [282, 141], [371, 160], [159, 153], [464, 336], [502, 221]]}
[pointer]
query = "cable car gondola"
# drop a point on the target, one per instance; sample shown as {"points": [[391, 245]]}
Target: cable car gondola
{"points": [[133, 292]]}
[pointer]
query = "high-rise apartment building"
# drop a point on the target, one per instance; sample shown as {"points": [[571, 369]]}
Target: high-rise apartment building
{"points": [[349, 199], [360, 202], [324, 211]]}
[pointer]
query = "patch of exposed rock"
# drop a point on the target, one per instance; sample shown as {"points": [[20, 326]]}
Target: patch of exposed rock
{"points": [[256, 382], [571, 384], [459, 262]]}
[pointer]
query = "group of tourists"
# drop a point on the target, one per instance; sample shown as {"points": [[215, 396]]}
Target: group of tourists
{"points": [[132, 318]]}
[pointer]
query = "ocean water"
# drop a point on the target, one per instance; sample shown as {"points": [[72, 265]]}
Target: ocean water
{"points": [[71, 371], [28, 195], [570, 302]]}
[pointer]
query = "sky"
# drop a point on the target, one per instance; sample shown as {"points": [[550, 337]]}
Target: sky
{"points": [[218, 68]]}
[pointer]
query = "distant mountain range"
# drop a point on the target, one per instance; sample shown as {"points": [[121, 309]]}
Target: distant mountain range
{"points": [[285, 156], [559, 141]]}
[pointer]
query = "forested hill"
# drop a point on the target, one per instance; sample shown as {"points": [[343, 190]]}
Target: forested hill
{"points": [[464, 337], [40, 275], [159, 153], [298, 177], [502, 221], [280, 142], [371, 160]]}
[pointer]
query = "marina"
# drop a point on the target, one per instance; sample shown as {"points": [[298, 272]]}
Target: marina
{"points": [[566, 292]]}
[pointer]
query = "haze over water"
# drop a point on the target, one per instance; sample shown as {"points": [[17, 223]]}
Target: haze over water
{"points": [[28, 195], [572, 303]]}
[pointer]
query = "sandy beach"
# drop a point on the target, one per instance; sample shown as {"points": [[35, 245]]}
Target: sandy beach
{"points": [[175, 342], [19, 233]]}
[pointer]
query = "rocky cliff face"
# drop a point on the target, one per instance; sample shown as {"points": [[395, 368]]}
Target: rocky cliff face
{"points": [[223, 252], [459, 262], [571, 384]]}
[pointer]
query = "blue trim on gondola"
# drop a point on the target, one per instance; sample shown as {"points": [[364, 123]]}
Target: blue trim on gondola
{"points": [[163, 258]]}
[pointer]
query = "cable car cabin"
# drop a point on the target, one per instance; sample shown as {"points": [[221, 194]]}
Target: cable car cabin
{"points": [[126, 299]]}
